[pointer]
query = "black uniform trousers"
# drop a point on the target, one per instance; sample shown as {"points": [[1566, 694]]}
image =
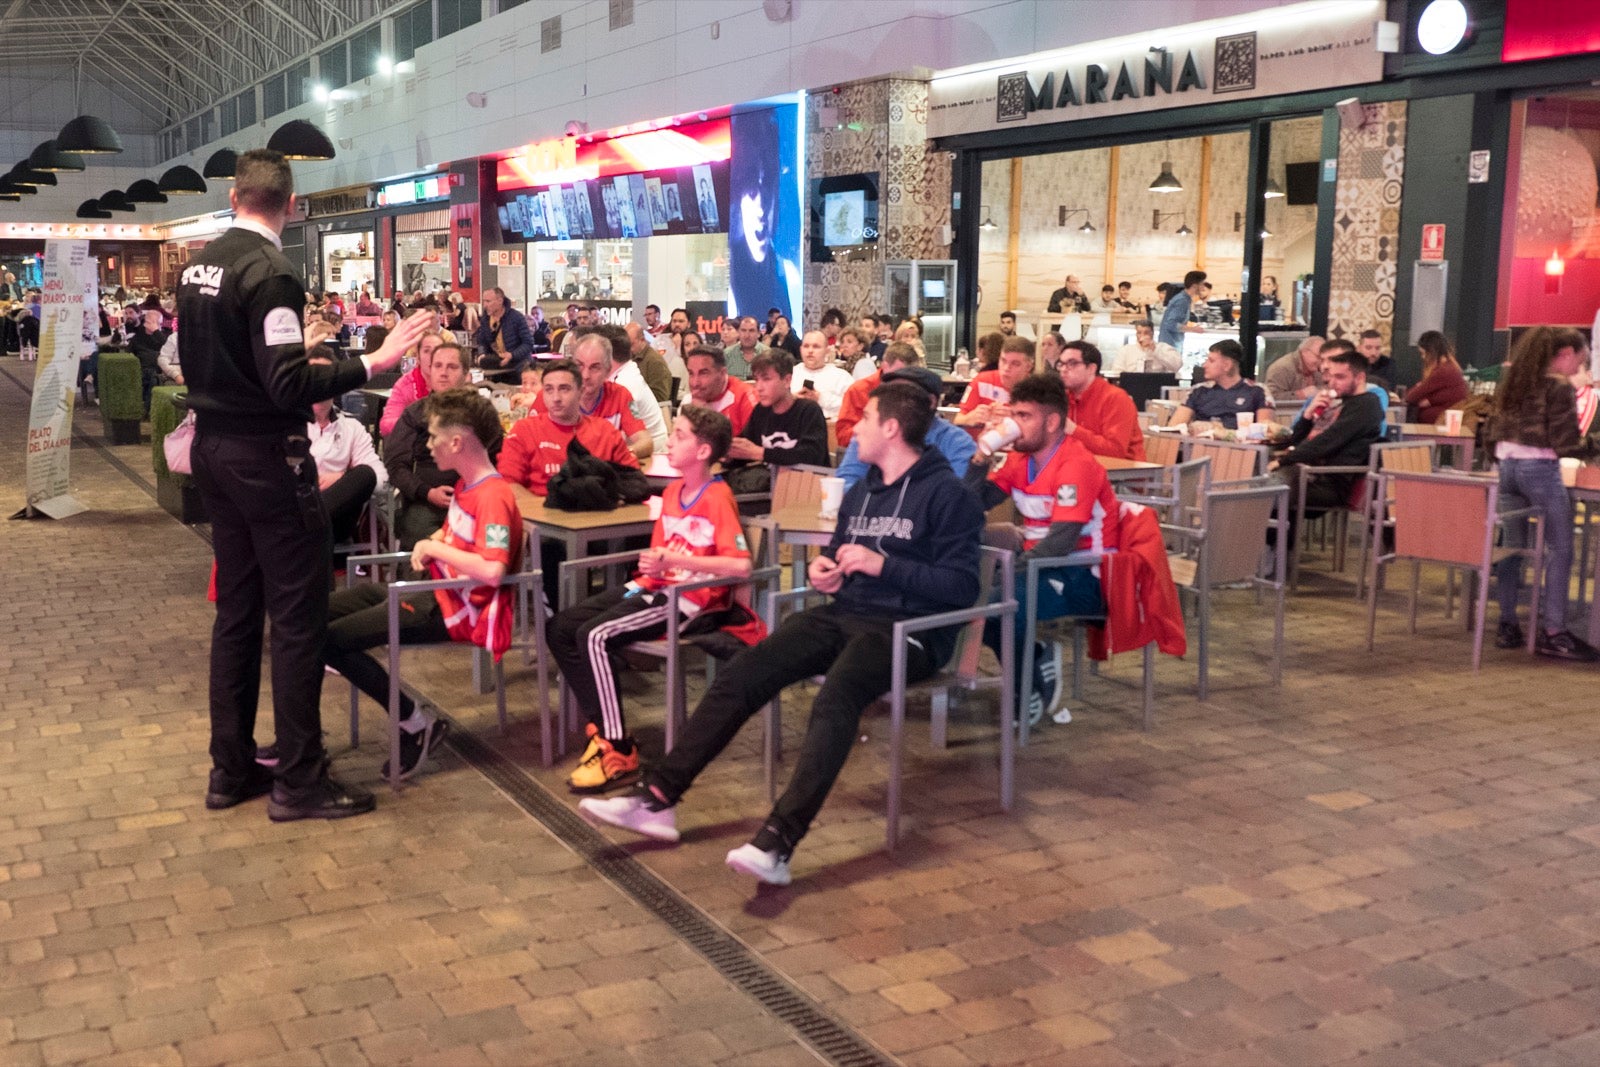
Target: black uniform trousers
{"points": [[273, 558], [854, 651]]}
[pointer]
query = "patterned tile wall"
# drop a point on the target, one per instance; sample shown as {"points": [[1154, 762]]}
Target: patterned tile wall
{"points": [[913, 187], [1366, 223]]}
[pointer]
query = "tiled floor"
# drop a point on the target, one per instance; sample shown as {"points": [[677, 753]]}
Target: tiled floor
{"points": [[1387, 860]]}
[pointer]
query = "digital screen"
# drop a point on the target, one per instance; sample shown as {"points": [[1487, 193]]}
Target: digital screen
{"points": [[933, 289], [763, 213], [691, 199], [844, 216]]}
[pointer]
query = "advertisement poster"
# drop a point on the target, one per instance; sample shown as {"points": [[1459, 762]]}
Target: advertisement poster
{"points": [[66, 312], [764, 213]]}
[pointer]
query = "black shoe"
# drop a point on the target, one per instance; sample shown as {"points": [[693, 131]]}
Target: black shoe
{"points": [[222, 793], [414, 748], [329, 799], [1509, 635], [267, 755], [1564, 645]]}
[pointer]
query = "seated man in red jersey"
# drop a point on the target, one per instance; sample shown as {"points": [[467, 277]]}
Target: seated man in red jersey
{"points": [[698, 536], [986, 399], [481, 538], [604, 399], [537, 447], [896, 355], [1066, 504], [710, 387]]}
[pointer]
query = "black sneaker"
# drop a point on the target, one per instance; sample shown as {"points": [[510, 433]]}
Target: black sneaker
{"points": [[329, 799], [267, 755], [1509, 635], [1564, 645], [414, 747], [222, 793]]}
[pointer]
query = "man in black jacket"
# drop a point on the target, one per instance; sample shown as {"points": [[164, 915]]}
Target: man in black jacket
{"points": [[504, 341], [784, 429], [1337, 429], [906, 546], [146, 343], [425, 490], [251, 388]]}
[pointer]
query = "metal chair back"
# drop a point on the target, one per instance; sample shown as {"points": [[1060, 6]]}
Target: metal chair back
{"points": [[1231, 461]]}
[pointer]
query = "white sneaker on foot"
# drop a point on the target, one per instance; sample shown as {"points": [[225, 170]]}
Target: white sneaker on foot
{"points": [[768, 867], [1062, 717], [632, 813]]}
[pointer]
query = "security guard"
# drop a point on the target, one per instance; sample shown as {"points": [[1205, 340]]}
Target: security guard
{"points": [[244, 362]]}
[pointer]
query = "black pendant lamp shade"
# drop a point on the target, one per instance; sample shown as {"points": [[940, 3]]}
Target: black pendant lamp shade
{"points": [[221, 164], [90, 135], [117, 200], [181, 181], [11, 188], [301, 140], [1166, 181], [145, 191], [13, 197], [91, 209], [49, 158], [23, 174]]}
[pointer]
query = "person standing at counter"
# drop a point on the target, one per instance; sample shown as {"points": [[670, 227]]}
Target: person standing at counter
{"points": [[1225, 392], [1100, 416], [1175, 319], [1146, 355], [1070, 297]]}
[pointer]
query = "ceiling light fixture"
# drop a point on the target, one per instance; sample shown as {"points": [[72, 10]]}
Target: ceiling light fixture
{"points": [[302, 141], [1273, 190], [988, 225], [1064, 213], [145, 191], [181, 181], [222, 164], [1166, 181], [88, 135], [49, 157], [91, 209], [117, 200], [23, 174]]}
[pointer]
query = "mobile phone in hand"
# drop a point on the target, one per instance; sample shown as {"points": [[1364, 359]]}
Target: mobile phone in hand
{"points": [[808, 384]]}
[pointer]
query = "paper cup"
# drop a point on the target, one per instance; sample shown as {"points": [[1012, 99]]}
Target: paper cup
{"points": [[1452, 420], [992, 441], [1244, 420], [832, 497], [654, 504], [1569, 472]]}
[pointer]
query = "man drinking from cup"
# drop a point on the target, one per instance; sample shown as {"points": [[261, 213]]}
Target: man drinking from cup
{"points": [[1066, 504]]}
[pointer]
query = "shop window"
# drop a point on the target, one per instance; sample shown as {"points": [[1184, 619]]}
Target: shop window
{"points": [[247, 107], [365, 49], [297, 85], [230, 116], [273, 97], [412, 30], [1550, 246]]}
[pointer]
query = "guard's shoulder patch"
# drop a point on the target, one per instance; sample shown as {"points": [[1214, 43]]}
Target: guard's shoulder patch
{"points": [[282, 327]]}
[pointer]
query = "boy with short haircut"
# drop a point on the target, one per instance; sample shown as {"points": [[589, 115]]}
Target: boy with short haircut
{"points": [[697, 536], [481, 539]]}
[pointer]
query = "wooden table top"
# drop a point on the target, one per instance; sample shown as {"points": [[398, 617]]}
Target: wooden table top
{"points": [[803, 518], [1118, 463], [1428, 429], [535, 510]]}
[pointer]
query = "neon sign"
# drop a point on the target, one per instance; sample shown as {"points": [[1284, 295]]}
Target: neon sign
{"points": [[416, 191]]}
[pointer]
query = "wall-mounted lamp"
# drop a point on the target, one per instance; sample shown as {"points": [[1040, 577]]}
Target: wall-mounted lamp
{"points": [[1554, 268], [988, 225], [1157, 217], [1064, 213]]}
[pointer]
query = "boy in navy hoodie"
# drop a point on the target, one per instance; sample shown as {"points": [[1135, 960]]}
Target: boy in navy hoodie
{"points": [[906, 546]]}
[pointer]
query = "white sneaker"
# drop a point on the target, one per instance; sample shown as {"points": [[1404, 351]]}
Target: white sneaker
{"points": [[630, 813], [1062, 717], [768, 867]]}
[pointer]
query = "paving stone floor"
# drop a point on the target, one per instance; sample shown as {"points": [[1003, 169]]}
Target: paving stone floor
{"points": [[1387, 860]]}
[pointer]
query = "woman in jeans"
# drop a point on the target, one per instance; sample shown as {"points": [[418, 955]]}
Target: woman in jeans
{"points": [[1535, 423]]}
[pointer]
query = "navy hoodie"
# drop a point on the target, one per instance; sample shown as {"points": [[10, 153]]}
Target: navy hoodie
{"points": [[928, 526]]}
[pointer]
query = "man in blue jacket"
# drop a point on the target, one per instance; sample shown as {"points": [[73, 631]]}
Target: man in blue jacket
{"points": [[504, 340], [906, 546]]}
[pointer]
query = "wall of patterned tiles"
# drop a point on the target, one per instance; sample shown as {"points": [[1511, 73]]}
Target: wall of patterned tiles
{"points": [[1366, 223]]}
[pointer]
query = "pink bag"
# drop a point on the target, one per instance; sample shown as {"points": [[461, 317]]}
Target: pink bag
{"points": [[178, 444]]}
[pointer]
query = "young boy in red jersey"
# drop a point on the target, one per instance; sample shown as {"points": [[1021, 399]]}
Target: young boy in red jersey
{"points": [[481, 539], [698, 536]]}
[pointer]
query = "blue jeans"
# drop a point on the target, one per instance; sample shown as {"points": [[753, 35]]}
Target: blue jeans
{"points": [[1536, 483], [1078, 594]]}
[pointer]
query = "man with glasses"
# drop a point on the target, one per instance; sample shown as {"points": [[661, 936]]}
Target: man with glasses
{"points": [[1101, 417]]}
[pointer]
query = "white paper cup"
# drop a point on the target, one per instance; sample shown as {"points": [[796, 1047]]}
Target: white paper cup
{"points": [[832, 497], [992, 441], [1569, 472], [654, 504], [1243, 420], [1452, 420]]}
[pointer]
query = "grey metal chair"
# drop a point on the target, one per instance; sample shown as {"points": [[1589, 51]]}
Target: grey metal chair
{"points": [[527, 583]]}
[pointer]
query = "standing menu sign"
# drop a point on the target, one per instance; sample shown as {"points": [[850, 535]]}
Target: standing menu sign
{"points": [[66, 315]]}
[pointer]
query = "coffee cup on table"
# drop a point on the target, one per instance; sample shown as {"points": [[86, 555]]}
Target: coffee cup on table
{"points": [[1452, 420], [832, 497], [1243, 420], [992, 441], [1569, 472]]}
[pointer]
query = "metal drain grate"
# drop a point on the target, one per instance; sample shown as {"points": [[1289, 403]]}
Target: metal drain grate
{"points": [[734, 960]]}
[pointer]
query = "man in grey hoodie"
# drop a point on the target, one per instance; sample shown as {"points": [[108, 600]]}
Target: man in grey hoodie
{"points": [[906, 546]]}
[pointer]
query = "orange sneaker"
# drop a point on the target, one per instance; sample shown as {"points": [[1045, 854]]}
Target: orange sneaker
{"points": [[605, 766]]}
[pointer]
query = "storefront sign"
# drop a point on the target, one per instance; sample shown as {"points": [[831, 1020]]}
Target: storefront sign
{"points": [[68, 322], [1433, 240], [1538, 29], [338, 202], [1294, 49], [416, 191]]}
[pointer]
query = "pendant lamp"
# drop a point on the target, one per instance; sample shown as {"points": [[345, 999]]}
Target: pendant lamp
{"points": [[988, 225], [49, 158], [90, 209], [23, 174], [1166, 181], [145, 191], [221, 164], [1273, 190], [181, 181], [89, 135], [117, 200], [11, 188], [301, 140]]}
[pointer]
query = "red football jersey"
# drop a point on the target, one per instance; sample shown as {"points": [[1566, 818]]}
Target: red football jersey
{"points": [[483, 520]]}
